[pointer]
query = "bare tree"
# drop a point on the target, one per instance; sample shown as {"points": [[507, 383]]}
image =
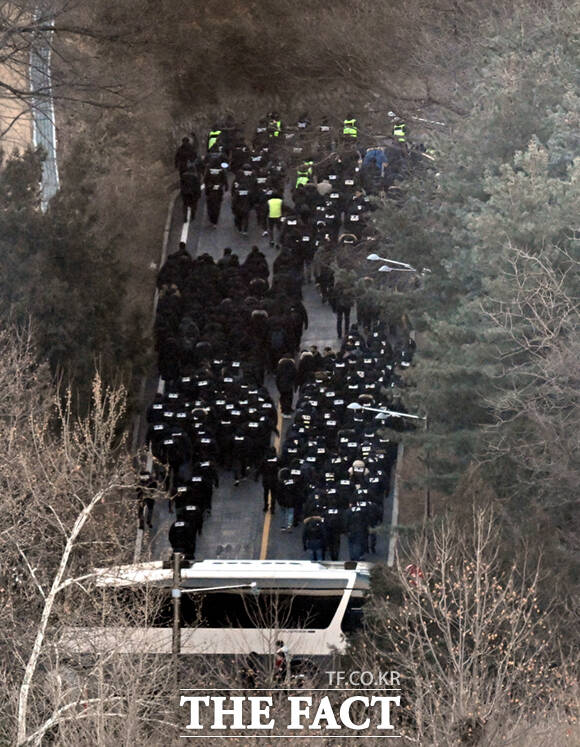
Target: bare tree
{"points": [[58, 473], [30, 33], [473, 646]]}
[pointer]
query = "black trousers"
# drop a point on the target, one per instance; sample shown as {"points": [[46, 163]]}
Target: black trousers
{"points": [[189, 201], [214, 204], [262, 215], [333, 546], [286, 401], [274, 229], [241, 464], [241, 221], [269, 501]]}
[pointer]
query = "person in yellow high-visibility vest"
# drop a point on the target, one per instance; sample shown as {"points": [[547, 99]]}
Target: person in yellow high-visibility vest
{"points": [[275, 206], [350, 128], [400, 132], [275, 125], [303, 174], [213, 138]]}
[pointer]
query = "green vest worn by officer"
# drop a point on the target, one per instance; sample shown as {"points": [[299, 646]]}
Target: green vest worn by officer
{"points": [[213, 138], [274, 207], [349, 128], [304, 173], [275, 127], [400, 132]]}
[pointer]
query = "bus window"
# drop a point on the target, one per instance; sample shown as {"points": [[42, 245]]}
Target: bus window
{"points": [[149, 607], [265, 610]]}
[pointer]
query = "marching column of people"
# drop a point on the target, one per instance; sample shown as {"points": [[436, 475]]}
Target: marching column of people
{"points": [[221, 326], [335, 464]]}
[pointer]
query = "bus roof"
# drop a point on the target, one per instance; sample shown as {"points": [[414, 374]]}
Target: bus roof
{"points": [[267, 573]]}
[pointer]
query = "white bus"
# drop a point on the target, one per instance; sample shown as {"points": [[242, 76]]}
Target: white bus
{"points": [[308, 605]]}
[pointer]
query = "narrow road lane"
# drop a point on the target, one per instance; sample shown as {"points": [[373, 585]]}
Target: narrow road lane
{"points": [[237, 527]]}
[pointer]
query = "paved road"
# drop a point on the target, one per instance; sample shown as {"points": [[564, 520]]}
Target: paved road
{"points": [[237, 527]]}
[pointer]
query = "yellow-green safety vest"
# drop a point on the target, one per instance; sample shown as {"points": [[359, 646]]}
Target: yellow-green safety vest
{"points": [[274, 207], [399, 132], [276, 124], [304, 173], [349, 128], [213, 138]]}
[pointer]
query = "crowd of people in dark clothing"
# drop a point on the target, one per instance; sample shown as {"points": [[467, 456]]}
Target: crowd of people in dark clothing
{"points": [[223, 326], [335, 464]]}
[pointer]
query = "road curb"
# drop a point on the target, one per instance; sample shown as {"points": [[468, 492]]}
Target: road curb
{"points": [[139, 414]]}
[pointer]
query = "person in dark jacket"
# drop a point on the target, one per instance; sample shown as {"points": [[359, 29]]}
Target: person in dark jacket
{"points": [[342, 300], [268, 470], [333, 525], [239, 155], [186, 153], [286, 497], [241, 454], [357, 527], [193, 516], [295, 325], [190, 191], [306, 367], [313, 537], [216, 184], [177, 269], [255, 265], [286, 376], [260, 329], [147, 484], [242, 192], [182, 538], [228, 259], [278, 339]]}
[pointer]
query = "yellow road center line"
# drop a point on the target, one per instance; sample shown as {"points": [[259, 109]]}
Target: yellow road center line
{"points": [[266, 534], [268, 515]]}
